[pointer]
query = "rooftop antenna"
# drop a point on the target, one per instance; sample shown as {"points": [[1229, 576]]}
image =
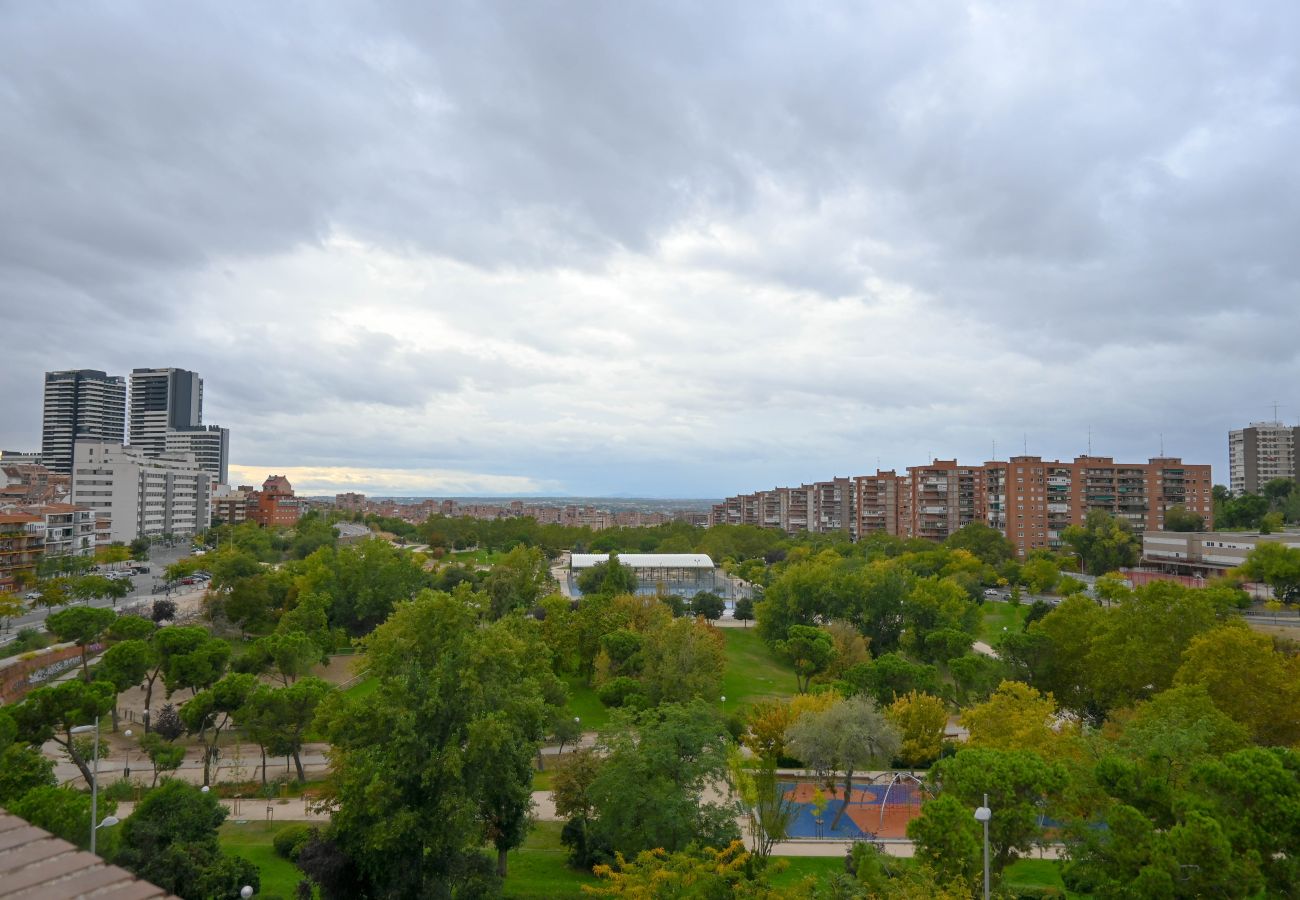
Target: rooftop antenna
{"points": [[1162, 445], [1025, 437], [995, 450], [1090, 440]]}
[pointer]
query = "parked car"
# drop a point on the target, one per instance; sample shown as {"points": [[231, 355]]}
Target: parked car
{"points": [[992, 592]]}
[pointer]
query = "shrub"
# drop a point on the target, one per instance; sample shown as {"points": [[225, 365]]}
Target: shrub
{"points": [[622, 691], [289, 841]]}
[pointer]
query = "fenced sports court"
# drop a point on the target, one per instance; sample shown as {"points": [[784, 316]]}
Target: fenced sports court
{"points": [[876, 809]]}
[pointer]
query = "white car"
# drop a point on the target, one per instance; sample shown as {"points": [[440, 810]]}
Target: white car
{"points": [[992, 592]]}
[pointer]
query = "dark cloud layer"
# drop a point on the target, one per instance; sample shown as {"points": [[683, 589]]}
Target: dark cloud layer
{"points": [[669, 248]]}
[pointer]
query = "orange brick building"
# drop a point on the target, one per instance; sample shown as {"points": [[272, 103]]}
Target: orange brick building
{"points": [[1027, 498], [275, 503]]}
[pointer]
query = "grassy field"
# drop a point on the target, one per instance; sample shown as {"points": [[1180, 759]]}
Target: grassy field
{"points": [[1000, 615], [252, 841], [1036, 873], [800, 867], [753, 672], [362, 688], [539, 868]]}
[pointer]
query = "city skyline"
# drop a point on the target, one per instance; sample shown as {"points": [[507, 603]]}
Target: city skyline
{"points": [[501, 251]]}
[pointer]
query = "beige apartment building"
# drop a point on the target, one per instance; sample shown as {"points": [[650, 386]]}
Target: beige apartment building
{"points": [[1206, 553], [1261, 452]]}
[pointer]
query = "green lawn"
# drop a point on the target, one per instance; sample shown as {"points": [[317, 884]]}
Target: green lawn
{"points": [[362, 688], [540, 868], [252, 841], [753, 672], [999, 615], [584, 704], [1036, 873]]}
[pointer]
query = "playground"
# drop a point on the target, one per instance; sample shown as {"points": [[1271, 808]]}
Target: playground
{"points": [[878, 809]]}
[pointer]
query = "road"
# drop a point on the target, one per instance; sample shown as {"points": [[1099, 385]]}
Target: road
{"points": [[142, 587]]}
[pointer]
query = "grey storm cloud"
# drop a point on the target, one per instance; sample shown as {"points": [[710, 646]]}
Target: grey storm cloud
{"points": [[617, 247]]}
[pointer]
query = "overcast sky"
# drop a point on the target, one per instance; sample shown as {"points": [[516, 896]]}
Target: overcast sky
{"points": [[652, 248]]}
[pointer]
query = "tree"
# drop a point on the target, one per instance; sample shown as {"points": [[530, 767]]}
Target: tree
{"points": [[83, 626], [1040, 575], [1017, 717], [888, 677], [191, 658], [171, 840], [947, 839], [211, 710], [278, 718], [768, 808], [770, 719], [571, 783], [140, 549], [1179, 518], [1248, 681], [169, 725], [125, 665], [11, 607], [50, 713], [293, 654], [1017, 783], [707, 605], [744, 611], [683, 659], [987, 544], [1278, 566], [518, 580], [163, 755], [920, 721], [22, 768], [163, 610], [423, 772], [810, 650], [650, 790], [610, 578], [1103, 542], [846, 737]]}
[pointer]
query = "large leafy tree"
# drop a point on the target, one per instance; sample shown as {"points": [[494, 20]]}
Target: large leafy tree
{"points": [[1248, 680], [518, 580], [278, 718], [437, 759], [1278, 566], [1103, 542], [1018, 784], [682, 659], [651, 789], [921, 721], [845, 737]]}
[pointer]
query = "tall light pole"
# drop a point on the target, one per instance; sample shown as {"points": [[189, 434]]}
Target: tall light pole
{"points": [[982, 815], [95, 824]]}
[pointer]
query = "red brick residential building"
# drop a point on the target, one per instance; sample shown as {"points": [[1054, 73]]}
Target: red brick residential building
{"points": [[275, 503]]}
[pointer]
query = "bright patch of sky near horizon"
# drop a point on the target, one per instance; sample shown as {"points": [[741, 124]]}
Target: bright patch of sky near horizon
{"points": [[659, 250]]}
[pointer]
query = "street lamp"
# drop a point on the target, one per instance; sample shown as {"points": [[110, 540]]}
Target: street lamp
{"points": [[126, 769], [94, 784], [982, 815]]}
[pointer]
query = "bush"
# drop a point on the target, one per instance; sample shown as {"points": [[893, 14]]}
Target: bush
{"points": [[167, 722], [164, 610], [622, 691], [289, 841], [122, 789]]}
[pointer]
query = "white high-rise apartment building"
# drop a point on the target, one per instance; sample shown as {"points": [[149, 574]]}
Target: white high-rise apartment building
{"points": [[1261, 452], [210, 445], [133, 494], [80, 403]]}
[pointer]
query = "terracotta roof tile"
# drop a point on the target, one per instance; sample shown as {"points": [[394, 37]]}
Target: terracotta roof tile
{"points": [[35, 865]]}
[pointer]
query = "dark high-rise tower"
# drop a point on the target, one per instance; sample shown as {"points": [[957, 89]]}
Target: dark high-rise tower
{"points": [[162, 400], [80, 403]]}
